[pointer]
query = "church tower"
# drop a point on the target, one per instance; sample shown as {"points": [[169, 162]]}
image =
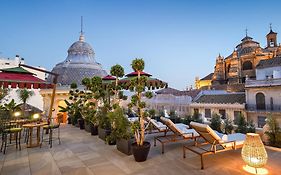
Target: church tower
{"points": [[219, 72], [271, 38]]}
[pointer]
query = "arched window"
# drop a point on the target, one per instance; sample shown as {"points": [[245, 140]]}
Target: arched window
{"points": [[260, 101], [247, 65], [228, 68]]}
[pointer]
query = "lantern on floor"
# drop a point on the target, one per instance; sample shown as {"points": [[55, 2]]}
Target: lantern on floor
{"points": [[253, 151]]}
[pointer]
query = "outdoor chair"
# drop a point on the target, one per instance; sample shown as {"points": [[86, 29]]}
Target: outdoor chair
{"points": [[50, 130], [179, 131], [215, 142], [8, 129]]}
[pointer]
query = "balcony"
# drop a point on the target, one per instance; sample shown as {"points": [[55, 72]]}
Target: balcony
{"points": [[263, 83], [268, 108]]}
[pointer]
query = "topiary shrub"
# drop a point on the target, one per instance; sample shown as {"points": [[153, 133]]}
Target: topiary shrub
{"points": [[216, 122], [274, 132], [228, 126]]}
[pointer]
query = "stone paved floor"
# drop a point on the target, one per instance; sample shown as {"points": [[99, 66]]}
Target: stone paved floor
{"points": [[81, 153]]}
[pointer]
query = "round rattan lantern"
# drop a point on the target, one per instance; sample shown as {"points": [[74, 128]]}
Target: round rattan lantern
{"points": [[253, 151]]}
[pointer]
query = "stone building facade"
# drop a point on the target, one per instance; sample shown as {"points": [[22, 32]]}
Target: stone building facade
{"points": [[230, 72], [263, 94], [210, 102]]}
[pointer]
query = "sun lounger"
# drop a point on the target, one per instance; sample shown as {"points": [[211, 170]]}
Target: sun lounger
{"points": [[215, 141], [179, 132]]}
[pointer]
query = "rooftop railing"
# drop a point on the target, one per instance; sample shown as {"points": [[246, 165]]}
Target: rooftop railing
{"points": [[266, 108], [263, 83]]}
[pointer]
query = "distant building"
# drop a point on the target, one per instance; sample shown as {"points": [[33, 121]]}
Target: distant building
{"points": [[36, 100], [204, 83], [263, 94], [230, 72], [80, 63], [225, 104], [170, 99]]}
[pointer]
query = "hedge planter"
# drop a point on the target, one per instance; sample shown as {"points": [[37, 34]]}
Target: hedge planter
{"points": [[112, 142], [124, 146], [81, 123], [87, 127], [103, 133], [94, 129], [140, 152]]}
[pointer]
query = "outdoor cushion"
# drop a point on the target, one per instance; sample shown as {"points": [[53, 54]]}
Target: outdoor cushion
{"points": [[190, 133], [179, 128], [211, 135], [132, 119], [13, 130], [51, 126], [239, 138], [159, 125], [207, 132], [224, 137]]}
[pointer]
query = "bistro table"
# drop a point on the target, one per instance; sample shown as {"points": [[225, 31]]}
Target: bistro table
{"points": [[30, 126]]}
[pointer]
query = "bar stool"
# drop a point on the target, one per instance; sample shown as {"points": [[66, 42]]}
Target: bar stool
{"points": [[50, 130], [7, 129]]}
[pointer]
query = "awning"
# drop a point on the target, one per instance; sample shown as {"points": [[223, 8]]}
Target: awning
{"points": [[21, 78], [151, 84]]}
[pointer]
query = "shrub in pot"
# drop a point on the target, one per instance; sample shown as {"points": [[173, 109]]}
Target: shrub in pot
{"points": [[120, 130], [81, 123], [104, 128], [75, 105], [138, 85]]}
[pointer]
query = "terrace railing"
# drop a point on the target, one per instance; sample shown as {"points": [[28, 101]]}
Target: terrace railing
{"points": [[263, 83], [267, 108]]}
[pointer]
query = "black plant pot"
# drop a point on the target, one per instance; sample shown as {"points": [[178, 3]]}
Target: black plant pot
{"points": [[94, 130], [69, 120], [124, 146], [81, 123], [140, 152], [103, 133], [112, 142]]}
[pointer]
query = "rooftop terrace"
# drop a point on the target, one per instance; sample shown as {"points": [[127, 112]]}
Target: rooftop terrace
{"points": [[81, 153]]}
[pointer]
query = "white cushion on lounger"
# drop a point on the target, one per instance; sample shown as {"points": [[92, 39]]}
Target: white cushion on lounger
{"points": [[224, 137], [206, 131], [181, 125], [238, 137], [159, 125], [133, 119], [189, 133]]}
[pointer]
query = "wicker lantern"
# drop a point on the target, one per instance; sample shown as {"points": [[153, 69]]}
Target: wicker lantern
{"points": [[253, 151]]}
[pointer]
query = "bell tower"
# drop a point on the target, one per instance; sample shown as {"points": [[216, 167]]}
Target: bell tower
{"points": [[271, 38]]}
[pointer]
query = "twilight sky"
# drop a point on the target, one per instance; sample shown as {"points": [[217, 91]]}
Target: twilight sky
{"points": [[177, 39]]}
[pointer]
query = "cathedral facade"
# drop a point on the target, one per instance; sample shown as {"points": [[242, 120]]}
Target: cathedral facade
{"points": [[242, 62], [231, 72]]}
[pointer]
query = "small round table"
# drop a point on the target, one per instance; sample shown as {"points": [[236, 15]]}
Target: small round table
{"points": [[30, 126]]}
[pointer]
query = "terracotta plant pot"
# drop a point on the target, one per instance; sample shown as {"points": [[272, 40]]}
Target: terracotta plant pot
{"points": [[140, 152]]}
